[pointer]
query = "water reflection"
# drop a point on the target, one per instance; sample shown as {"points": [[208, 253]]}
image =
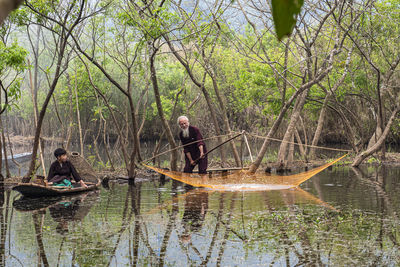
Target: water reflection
{"points": [[344, 217], [195, 209]]}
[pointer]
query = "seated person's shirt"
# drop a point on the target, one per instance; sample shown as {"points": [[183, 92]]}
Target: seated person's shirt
{"points": [[65, 171]]}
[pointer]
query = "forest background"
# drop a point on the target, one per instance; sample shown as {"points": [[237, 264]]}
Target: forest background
{"points": [[115, 73]]}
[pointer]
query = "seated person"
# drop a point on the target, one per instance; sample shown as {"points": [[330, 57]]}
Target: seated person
{"points": [[61, 171]]}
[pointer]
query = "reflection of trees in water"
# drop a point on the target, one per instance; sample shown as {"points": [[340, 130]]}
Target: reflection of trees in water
{"points": [[6, 215], [319, 237], [291, 230], [37, 221], [63, 211], [285, 227]]}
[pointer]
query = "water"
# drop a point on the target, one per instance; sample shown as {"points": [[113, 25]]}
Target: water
{"points": [[342, 217]]}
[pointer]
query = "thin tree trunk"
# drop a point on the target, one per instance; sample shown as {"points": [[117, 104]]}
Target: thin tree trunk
{"points": [[224, 116], [318, 131], [107, 145], [63, 43], [134, 123], [71, 113], [4, 147], [78, 114], [213, 117], [170, 137], [290, 154], [381, 141], [291, 127], [301, 147], [1, 161], [254, 166], [105, 100], [128, 94], [11, 149], [34, 89]]}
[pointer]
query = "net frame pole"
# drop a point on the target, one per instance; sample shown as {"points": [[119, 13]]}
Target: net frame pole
{"points": [[248, 147]]}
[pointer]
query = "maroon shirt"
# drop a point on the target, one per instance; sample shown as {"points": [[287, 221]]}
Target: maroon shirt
{"points": [[67, 169], [194, 135]]}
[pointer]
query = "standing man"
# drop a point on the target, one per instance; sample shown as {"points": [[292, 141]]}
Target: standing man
{"points": [[194, 151]]}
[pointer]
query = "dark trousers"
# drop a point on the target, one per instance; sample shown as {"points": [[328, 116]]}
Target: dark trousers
{"points": [[202, 165], [59, 178]]}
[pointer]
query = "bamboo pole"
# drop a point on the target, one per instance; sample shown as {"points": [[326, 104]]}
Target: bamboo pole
{"points": [[248, 147]]}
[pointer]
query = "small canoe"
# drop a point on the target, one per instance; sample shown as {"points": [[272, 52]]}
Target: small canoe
{"points": [[38, 190]]}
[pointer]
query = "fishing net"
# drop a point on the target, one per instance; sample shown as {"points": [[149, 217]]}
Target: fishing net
{"points": [[84, 169], [243, 180]]}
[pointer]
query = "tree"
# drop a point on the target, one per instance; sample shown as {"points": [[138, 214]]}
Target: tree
{"points": [[52, 17], [12, 64]]}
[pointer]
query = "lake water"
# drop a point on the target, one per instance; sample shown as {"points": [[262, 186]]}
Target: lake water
{"points": [[340, 217]]}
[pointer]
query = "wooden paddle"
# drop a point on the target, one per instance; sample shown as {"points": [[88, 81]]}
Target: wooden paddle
{"points": [[211, 150]]}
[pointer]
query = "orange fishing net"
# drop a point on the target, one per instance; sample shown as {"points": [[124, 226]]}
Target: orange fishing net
{"points": [[243, 179]]}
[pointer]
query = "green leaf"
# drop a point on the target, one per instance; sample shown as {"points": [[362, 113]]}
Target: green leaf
{"points": [[284, 13]]}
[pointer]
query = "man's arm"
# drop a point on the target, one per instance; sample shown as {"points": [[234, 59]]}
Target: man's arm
{"points": [[200, 144], [201, 148], [76, 176], [189, 156], [51, 172]]}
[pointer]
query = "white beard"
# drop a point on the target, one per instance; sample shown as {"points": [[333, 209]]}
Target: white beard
{"points": [[185, 132]]}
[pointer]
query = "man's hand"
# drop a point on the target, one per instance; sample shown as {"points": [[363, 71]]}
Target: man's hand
{"points": [[192, 162], [82, 183], [201, 152]]}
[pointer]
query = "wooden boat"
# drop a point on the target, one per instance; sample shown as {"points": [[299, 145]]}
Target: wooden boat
{"points": [[38, 190]]}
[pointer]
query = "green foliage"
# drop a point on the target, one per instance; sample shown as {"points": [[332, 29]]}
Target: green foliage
{"points": [[12, 62], [12, 57], [372, 160], [171, 81]]}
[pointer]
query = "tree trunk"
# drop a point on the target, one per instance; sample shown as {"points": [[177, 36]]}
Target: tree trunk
{"points": [[105, 101], [302, 148], [78, 114], [134, 123], [34, 90], [1, 162], [254, 166], [381, 140], [62, 45], [291, 127], [376, 135], [213, 117], [41, 118], [225, 117], [205, 93], [8, 175], [318, 131], [71, 113], [290, 154], [107, 145], [170, 137]]}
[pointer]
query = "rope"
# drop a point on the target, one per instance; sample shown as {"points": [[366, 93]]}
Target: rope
{"points": [[178, 147], [289, 142], [250, 134]]}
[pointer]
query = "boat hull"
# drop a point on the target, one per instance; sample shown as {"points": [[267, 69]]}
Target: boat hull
{"points": [[37, 190]]}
